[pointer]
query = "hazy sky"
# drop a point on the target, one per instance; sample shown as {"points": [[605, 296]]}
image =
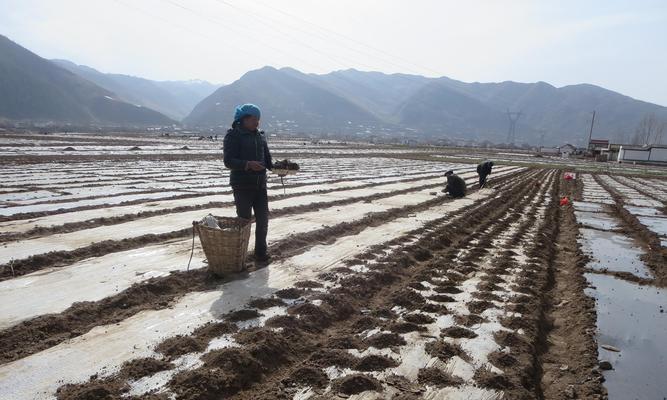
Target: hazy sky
{"points": [[621, 45]]}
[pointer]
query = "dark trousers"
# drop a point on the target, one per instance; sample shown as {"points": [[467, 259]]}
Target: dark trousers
{"points": [[248, 200], [482, 180]]}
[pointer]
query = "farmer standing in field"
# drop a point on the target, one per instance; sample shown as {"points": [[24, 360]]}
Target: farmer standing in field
{"points": [[247, 155], [456, 186], [484, 170]]}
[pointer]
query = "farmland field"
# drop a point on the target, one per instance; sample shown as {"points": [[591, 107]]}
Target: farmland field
{"points": [[380, 286]]}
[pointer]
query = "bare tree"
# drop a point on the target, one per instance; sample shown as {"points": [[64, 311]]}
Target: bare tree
{"points": [[649, 131]]}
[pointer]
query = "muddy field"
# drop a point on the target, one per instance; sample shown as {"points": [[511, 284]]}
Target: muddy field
{"points": [[380, 287]]}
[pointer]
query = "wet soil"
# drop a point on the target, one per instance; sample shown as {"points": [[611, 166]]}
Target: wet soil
{"points": [[71, 227], [655, 255], [290, 245], [437, 377], [42, 332], [31, 336], [98, 249], [568, 351], [356, 383], [278, 354], [445, 350]]}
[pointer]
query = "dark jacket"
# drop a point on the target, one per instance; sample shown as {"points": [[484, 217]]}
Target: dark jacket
{"points": [[456, 186], [241, 146], [485, 168]]}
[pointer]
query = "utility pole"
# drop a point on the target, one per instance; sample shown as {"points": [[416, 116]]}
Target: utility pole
{"points": [[590, 134]]}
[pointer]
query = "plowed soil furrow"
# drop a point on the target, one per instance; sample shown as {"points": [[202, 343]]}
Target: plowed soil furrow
{"points": [[645, 189], [106, 221], [630, 189], [55, 210], [118, 271], [156, 209], [57, 258], [42, 332], [660, 186], [569, 356], [655, 256], [56, 201], [114, 214], [297, 348], [179, 319], [68, 248], [210, 155]]}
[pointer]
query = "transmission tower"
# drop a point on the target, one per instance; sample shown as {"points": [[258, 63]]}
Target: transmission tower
{"points": [[513, 117]]}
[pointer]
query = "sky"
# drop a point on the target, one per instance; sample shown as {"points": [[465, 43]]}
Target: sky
{"points": [[619, 45]]}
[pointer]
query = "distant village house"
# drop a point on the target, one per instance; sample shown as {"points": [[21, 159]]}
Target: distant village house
{"points": [[564, 151]]}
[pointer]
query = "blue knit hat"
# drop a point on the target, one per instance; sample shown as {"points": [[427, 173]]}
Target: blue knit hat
{"points": [[246, 109]]}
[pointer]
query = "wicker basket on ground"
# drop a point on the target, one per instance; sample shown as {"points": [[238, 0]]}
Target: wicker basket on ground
{"points": [[225, 246]]}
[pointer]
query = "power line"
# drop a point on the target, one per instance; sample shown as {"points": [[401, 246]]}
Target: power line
{"points": [[511, 133], [218, 22], [341, 61], [353, 40], [328, 39], [183, 27], [245, 32], [241, 31], [277, 28]]}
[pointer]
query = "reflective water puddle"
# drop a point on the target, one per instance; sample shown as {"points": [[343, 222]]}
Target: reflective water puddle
{"points": [[632, 336], [596, 220], [656, 224], [588, 206], [614, 252], [647, 211]]}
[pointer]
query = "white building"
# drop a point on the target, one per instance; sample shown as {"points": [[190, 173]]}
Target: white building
{"points": [[648, 154]]}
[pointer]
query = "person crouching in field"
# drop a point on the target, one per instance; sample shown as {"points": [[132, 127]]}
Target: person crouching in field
{"points": [[484, 170], [247, 155], [456, 186]]}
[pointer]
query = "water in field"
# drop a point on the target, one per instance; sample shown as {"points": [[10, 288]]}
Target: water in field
{"points": [[633, 319], [613, 252]]}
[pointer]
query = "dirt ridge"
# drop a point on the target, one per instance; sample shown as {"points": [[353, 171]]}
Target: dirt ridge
{"points": [[36, 334], [42, 231], [379, 284], [655, 256]]}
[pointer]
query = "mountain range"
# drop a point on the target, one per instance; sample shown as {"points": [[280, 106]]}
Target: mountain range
{"points": [[174, 99], [346, 102], [371, 102], [36, 90]]}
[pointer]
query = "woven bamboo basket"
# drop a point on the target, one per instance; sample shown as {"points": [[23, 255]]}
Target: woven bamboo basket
{"points": [[225, 248]]}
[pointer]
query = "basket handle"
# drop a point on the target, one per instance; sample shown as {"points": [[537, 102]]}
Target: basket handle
{"points": [[192, 251]]}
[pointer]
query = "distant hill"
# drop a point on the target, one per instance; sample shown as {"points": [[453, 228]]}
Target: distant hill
{"points": [[348, 102], [35, 89], [564, 113], [380, 93], [353, 101], [286, 96], [173, 98]]}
